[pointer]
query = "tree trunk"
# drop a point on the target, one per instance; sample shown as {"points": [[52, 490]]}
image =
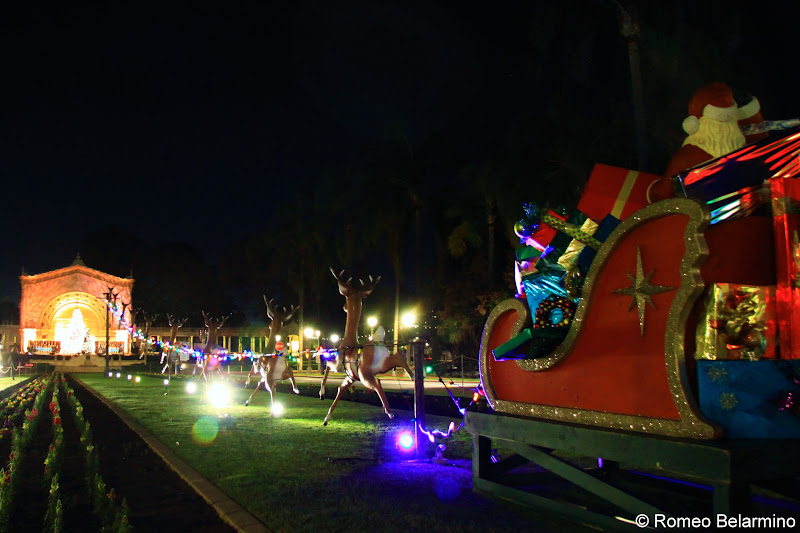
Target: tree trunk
{"points": [[396, 315], [491, 218]]}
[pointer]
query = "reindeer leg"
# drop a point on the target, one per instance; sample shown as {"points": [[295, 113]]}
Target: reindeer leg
{"points": [[254, 393], [374, 383], [271, 389], [346, 383], [292, 380], [322, 385], [400, 361]]}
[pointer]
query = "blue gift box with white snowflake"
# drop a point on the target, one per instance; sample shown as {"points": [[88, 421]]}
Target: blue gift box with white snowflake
{"points": [[751, 399]]}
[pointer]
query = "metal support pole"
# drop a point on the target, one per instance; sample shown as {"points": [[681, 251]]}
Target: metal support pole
{"points": [[108, 300], [416, 348], [109, 295]]}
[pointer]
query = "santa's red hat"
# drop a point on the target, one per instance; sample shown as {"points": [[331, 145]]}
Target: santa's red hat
{"points": [[713, 101]]}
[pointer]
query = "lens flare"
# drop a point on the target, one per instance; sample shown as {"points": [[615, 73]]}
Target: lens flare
{"points": [[218, 395], [205, 430], [137, 379], [191, 387], [277, 409]]}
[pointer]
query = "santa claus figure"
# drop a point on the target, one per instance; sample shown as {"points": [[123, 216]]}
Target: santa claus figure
{"points": [[713, 131]]}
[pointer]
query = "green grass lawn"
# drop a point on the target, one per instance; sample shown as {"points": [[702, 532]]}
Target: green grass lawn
{"points": [[6, 381], [296, 474]]}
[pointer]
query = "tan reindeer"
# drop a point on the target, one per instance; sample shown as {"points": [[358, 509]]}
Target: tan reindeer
{"points": [[273, 367], [172, 355], [360, 362], [211, 362], [144, 340]]}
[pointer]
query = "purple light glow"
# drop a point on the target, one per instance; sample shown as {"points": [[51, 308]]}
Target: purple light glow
{"points": [[406, 441]]}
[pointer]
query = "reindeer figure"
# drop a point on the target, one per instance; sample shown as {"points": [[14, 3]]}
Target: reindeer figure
{"points": [[373, 358], [173, 353], [273, 367], [211, 361], [145, 340]]}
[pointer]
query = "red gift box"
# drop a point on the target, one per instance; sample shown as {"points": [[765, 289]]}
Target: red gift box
{"points": [[786, 224], [616, 191], [544, 234]]}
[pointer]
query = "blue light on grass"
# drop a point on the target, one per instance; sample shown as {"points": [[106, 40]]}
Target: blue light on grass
{"points": [[406, 441]]}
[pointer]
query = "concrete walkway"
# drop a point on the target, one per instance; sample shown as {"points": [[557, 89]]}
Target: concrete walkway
{"points": [[230, 511]]}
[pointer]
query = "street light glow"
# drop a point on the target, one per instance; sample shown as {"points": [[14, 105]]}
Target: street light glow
{"points": [[334, 338], [308, 332], [372, 321], [409, 319]]}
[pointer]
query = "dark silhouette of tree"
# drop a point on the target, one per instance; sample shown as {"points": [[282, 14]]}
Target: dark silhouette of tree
{"points": [[9, 312]]}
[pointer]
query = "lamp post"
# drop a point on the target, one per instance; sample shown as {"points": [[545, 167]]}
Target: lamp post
{"points": [[311, 333], [631, 31], [407, 320], [110, 295], [372, 322]]}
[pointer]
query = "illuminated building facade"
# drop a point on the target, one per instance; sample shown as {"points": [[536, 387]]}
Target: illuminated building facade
{"points": [[64, 311]]}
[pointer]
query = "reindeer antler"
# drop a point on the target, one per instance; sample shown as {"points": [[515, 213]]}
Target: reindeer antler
{"points": [[177, 323], [148, 318], [284, 315], [371, 285], [347, 288]]}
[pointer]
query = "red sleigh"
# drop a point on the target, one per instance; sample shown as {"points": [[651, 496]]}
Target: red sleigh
{"points": [[628, 360]]}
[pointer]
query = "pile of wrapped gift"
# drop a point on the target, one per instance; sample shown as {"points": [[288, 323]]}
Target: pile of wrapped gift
{"points": [[558, 251]]}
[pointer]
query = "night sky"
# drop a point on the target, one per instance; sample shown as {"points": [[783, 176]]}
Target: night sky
{"points": [[192, 123]]}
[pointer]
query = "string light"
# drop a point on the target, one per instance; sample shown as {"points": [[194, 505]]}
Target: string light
{"points": [[223, 355]]}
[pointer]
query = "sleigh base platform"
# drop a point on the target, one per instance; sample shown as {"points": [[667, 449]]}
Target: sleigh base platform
{"points": [[715, 477]]}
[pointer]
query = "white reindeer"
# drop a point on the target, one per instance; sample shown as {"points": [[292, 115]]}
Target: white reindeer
{"points": [[273, 367]]}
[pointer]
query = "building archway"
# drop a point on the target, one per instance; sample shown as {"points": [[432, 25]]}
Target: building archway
{"points": [[68, 305]]}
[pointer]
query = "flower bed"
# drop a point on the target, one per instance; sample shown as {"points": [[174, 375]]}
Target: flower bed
{"points": [[33, 395], [112, 513], [29, 441]]}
